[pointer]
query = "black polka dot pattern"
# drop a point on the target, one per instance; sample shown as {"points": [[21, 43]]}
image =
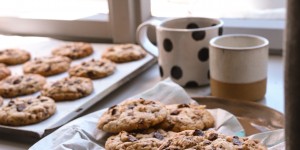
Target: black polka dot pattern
{"points": [[192, 26], [168, 45], [221, 31], [198, 35], [161, 71], [176, 72], [203, 54], [191, 84]]}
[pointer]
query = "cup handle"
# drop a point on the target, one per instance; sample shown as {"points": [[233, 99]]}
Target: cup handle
{"points": [[143, 39]]}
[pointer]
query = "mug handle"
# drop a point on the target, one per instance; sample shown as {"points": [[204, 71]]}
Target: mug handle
{"points": [[143, 39]]}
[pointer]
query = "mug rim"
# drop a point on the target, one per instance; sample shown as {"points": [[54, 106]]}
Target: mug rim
{"points": [[220, 24], [213, 41]]}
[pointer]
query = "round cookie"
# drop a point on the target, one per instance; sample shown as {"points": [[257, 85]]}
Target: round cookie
{"points": [[132, 115], [74, 50], [187, 117], [13, 56], [69, 88], [208, 140], [24, 111], [4, 71], [93, 69], [47, 66], [145, 140], [19, 85], [124, 53]]}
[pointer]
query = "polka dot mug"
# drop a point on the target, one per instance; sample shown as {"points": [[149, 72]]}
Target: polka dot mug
{"points": [[182, 47]]}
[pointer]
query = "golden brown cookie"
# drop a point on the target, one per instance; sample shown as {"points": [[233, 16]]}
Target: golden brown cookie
{"points": [[209, 140], [69, 88], [19, 85], [74, 50], [124, 53], [93, 69], [132, 115], [4, 71], [142, 140], [187, 117], [47, 66], [24, 111], [13, 56]]}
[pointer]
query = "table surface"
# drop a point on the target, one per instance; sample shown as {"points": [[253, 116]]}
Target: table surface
{"points": [[274, 97]]}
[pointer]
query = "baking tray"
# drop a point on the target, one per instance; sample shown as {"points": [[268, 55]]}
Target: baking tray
{"points": [[67, 110], [254, 117]]}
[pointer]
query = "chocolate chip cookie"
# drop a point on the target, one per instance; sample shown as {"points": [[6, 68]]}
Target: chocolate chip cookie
{"points": [[187, 117], [209, 140], [69, 88], [74, 50], [93, 69], [132, 115], [4, 71], [47, 66], [13, 56], [124, 53], [144, 140], [18, 85], [24, 111]]}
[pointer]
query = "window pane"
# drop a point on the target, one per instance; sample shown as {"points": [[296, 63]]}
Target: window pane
{"points": [[53, 9], [257, 9]]}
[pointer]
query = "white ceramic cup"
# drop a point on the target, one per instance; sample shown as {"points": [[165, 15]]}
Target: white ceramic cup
{"points": [[238, 66], [182, 47]]}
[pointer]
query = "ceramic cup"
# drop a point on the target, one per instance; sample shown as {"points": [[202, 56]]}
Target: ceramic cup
{"points": [[182, 47], [238, 66]]}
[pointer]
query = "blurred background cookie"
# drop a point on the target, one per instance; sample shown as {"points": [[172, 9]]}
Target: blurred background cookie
{"points": [[13, 56], [74, 50]]}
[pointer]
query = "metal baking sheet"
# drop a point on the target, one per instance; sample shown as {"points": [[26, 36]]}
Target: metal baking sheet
{"points": [[67, 110], [254, 117]]}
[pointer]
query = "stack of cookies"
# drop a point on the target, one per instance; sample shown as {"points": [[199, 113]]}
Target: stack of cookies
{"points": [[146, 124], [23, 111]]}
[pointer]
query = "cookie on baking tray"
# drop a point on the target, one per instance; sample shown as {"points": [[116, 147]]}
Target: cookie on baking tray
{"points": [[124, 53], [74, 50], [187, 117], [18, 85], [4, 71], [132, 115], [69, 88], [47, 66], [13, 56], [29, 110], [143, 140], [93, 69], [197, 139]]}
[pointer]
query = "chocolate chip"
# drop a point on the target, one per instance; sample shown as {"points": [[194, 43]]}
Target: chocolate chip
{"points": [[17, 81], [20, 107], [29, 102], [141, 121], [81, 91], [198, 133], [28, 79], [130, 106], [93, 60], [112, 107], [114, 111], [131, 138], [91, 74], [212, 136], [44, 100], [175, 112], [236, 141], [183, 106], [48, 68], [77, 81], [157, 135], [10, 103]]}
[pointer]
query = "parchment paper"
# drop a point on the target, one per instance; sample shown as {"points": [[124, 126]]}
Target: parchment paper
{"points": [[82, 133]]}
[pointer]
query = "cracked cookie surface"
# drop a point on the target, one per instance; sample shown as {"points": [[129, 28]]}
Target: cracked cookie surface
{"points": [[74, 50], [69, 88], [19, 85], [47, 66], [132, 115], [29, 110], [13, 56], [93, 69], [124, 53]]}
